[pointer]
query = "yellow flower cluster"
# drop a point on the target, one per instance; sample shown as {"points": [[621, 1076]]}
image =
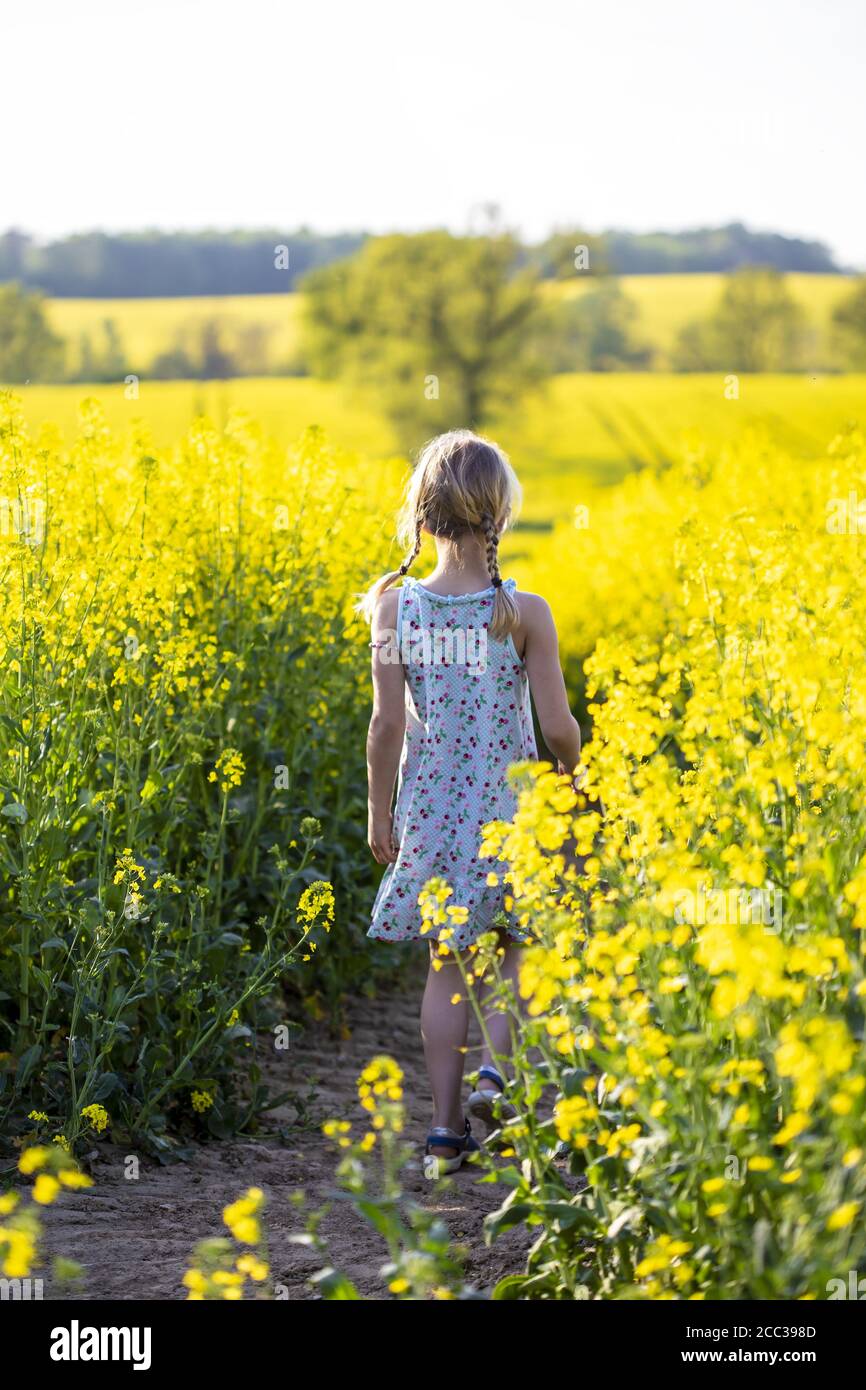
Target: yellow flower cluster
{"points": [[241, 1216], [438, 916], [316, 905], [97, 1116], [229, 770], [697, 976], [20, 1227], [380, 1092], [219, 1275], [19, 1237], [219, 1272]]}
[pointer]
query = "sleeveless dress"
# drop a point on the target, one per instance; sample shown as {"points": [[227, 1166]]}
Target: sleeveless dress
{"points": [[468, 716]]}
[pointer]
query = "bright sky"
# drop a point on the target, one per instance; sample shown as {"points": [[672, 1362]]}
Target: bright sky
{"points": [[394, 114]]}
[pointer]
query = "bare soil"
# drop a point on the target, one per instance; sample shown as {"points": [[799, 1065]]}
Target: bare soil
{"points": [[135, 1238]]}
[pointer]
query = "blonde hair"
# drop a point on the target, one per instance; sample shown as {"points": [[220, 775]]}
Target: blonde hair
{"points": [[461, 484]]}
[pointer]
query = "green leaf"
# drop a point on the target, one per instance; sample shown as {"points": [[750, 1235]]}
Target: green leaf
{"points": [[27, 1064], [151, 787], [335, 1286], [237, 1030], [107, 1083], [380, 1220], [506, 1218], [509, 1288], [15, 811], [563, 1213], [630, 1217], [760, 1240]]}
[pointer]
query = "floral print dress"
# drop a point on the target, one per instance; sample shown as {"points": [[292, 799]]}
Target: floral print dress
{"points": [[468, 716]]}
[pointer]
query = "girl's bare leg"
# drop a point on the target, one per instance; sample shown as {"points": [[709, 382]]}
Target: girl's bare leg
{"points": [[444, 1029], [498, 1021]]}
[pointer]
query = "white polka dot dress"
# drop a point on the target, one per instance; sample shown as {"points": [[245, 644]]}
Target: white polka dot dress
{"points": [[468, 716]]}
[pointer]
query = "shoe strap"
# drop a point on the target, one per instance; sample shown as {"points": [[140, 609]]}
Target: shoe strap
{"points": [[492, 1075], [443, 1137]]}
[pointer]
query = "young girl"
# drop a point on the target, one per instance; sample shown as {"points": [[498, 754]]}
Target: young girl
{"points": [[454, 659]]}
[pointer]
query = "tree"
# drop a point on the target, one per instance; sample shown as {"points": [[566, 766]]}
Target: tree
{"points": [[591, 332], [849, 319], [757, 327], [198, 352], [107, 363], [565, 255], [439, 325], [29, 350]]}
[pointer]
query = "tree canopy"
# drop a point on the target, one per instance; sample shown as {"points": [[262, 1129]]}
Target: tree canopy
{"points": [[29, 350], [757, 326], [441, 327]]}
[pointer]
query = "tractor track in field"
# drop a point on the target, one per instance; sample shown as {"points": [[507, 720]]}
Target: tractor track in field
{"points": [[135, 1238]]}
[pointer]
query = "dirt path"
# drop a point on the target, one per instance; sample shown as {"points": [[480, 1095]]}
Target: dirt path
{"points": [[135, 1237]]}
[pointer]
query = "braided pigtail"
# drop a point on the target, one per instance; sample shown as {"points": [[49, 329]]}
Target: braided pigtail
{"points": [[368, 601], [506, 614]]}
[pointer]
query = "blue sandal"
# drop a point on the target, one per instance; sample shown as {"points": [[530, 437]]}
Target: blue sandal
{"points": [[490, 1107], [442, 1138]]}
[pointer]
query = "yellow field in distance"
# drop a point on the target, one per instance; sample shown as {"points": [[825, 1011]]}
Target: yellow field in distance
{"points": [[666, 303], [148, 327], [578, 431]]}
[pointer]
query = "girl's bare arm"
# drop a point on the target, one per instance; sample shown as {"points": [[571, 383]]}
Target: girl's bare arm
{"points": [[559, 727], [387, 726]]}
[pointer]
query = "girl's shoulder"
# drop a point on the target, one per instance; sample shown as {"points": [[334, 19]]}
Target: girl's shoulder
{"points": [[533, 607], [386, 609], [535, 620]]}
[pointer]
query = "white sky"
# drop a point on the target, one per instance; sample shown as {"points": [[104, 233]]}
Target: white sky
{"points": [[392, 114]]}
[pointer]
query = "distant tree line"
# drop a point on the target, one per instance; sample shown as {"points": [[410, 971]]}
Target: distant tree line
{"points": [[720, 249], [131, 265], [143, 265]]}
